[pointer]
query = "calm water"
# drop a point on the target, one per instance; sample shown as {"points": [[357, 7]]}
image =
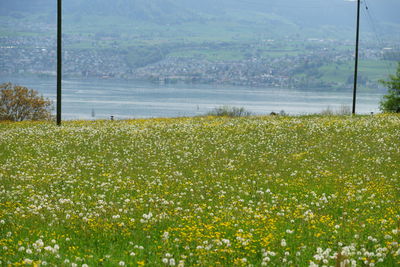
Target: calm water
{"points": [[99, 99]]}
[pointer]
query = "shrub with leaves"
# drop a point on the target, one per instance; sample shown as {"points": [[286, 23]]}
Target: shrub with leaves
{"points": [[229, 111], [18, 103], [391, 101], [340, 111]]}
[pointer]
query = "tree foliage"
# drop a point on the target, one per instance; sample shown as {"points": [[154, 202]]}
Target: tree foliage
{"points": [[391, 101], [18, 103]]}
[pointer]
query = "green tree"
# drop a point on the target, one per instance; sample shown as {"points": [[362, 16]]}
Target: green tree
{"points": [[391, 101], [18, 103]]}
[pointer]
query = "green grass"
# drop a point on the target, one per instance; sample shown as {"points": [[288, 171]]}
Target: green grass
{"points": [[237, 51], [195, 32], [281, 53], [374, 70], [202, 191], [210, 54]]}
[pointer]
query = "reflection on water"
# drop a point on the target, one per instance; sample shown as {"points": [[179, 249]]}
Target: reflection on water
{"points": [[95, 99]]}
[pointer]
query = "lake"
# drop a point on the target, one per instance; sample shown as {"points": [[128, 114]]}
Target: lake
{"points": [[100, 99]]}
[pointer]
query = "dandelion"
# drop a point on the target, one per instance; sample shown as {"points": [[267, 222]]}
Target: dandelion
{"points": [[203, 187], [28, 261], [266, 259], [165, 236]]}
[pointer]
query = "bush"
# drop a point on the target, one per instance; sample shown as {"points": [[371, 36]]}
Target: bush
{"points": [[229, 111], [391, 101], [18, 103], [341, 111]]}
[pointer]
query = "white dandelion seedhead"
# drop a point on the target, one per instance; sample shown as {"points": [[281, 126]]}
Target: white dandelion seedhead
{"points": [[28, 261], [165, 236]]}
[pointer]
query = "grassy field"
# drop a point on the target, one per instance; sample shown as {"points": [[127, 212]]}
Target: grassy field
{"points": [[280, 191], [374, 70]]}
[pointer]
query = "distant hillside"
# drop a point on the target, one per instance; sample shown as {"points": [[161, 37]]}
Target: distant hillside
{"points": [[300, 12], [159, 11]]}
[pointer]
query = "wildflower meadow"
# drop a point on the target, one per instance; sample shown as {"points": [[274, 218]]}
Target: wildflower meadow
{"points": [[202, 191]]}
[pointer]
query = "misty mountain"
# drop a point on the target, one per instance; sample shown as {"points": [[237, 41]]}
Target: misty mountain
{"points": [[159, 11], [304, 13]]}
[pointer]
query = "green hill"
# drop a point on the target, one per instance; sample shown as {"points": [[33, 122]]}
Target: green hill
{"points": [[278, 14]]}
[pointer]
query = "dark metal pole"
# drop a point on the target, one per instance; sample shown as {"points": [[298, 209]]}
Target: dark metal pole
{"points": [[59, 59], [356, 58]]}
